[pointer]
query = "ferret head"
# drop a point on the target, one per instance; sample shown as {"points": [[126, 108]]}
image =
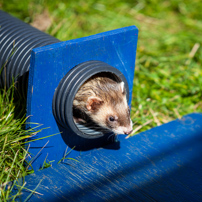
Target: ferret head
{"points": [[110, 109]]}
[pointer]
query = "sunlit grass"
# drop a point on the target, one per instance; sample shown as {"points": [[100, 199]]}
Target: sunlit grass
{"points": [[168, 75], [12, 136]]}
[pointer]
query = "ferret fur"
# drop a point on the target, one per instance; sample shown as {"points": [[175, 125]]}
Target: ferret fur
{"points": [[103, 101]]}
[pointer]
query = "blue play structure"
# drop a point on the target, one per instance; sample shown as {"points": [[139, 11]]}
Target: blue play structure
{"points": [[65, 66], [161, 164]]}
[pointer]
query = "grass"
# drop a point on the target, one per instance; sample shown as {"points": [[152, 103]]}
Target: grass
{"points": [[168, 75], [12, 151]]}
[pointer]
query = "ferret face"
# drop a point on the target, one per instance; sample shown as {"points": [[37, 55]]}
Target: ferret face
{"points": [[113, 113], [116, 118], [104, 101]]}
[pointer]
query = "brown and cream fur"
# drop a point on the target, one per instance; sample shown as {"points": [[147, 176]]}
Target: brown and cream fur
{"points": [[103, 101]]}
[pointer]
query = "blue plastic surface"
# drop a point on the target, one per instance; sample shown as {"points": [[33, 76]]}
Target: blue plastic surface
{"points": [[161, 164], [48, 66]]}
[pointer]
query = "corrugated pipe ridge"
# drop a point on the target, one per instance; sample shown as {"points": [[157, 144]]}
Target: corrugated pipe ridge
{"points": [[69, 86], [17, 39]]}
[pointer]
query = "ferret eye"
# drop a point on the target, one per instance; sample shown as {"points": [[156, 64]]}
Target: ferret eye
{"points": [[111, 118]]}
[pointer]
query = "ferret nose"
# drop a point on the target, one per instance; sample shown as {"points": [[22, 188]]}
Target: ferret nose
{"points": [[128, 132]]}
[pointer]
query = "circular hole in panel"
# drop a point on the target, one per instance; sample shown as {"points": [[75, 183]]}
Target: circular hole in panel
{"points": [[69, 86]]}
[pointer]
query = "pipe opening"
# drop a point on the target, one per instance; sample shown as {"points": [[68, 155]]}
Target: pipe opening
{"points": [[69, 86]]}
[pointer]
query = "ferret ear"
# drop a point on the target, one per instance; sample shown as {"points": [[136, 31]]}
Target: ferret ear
{"points": [[122, 87], [93, 103]]}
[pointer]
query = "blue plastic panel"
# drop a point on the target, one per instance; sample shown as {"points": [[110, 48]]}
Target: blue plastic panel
{"points": [[48, 66], [161, 164]]}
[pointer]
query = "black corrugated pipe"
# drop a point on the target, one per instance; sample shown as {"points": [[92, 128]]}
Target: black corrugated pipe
{"points": [[69, 86], [18, 38]]}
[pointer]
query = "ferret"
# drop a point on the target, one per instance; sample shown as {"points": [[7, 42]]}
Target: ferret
{"points": [[102, 101]]}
